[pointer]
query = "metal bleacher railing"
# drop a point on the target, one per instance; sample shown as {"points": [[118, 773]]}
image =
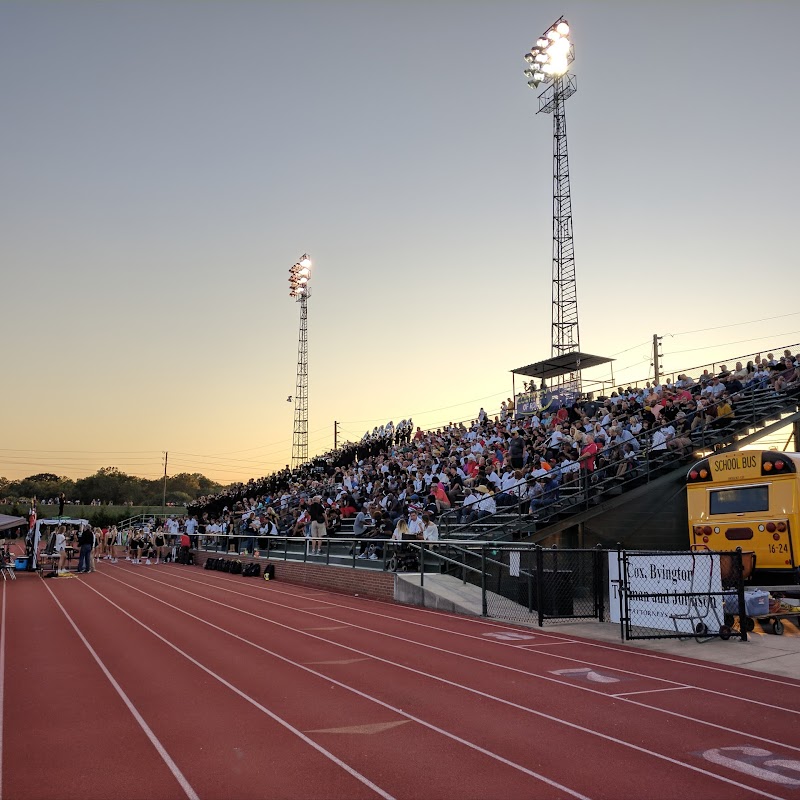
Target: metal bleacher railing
{"points": [[519, 582], [754, 408]]}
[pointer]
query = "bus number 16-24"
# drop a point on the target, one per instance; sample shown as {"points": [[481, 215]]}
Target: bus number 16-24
{"points": [[779, 548]]}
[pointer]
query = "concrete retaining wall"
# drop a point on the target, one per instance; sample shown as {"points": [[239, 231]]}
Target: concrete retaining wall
{"points": [[363, 582]]}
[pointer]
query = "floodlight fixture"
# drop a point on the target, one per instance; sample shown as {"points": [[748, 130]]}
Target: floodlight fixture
{"points": [[299, 276], [552, 54]]}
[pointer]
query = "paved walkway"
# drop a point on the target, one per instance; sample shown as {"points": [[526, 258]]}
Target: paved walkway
{"points": [[762, 652]]}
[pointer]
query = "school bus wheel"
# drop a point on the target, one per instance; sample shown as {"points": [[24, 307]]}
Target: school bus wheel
{"points": [[749, 624]]}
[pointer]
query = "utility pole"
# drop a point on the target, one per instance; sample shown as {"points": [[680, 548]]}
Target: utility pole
{"points": [[335, 435], [164, 497], [656, 356]]}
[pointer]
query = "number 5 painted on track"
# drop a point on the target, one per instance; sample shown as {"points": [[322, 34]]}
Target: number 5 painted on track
{"points": [[717, 756]]}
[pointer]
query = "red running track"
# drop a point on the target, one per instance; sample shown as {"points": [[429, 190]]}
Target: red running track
{"points": [[175, 682]]}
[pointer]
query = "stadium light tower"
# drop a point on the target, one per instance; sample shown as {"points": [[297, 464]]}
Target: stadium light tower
{"points": [[299, 289], [548, 61]]}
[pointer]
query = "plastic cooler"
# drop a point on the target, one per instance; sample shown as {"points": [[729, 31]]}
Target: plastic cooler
{"points": [[756, 603], [21, 562]]}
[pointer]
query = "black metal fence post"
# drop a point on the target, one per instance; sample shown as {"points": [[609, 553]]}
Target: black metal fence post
{"points": [[539, 584], [623, 592], [599, 584], [530, 583], [484, 603], [739, 561]]}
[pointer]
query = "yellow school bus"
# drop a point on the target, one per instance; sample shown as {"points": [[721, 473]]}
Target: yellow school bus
{"points": [[748, 499]]}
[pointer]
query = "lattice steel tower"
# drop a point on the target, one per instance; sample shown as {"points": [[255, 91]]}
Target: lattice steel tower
{"points": [[549, 61], [299, 277]]}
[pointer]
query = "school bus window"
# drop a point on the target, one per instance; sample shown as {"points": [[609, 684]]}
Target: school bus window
{"points": [[739, 500]]}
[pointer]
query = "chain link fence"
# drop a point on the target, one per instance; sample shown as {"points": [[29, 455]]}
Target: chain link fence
{"points": [[536, 585], [678, 595]]}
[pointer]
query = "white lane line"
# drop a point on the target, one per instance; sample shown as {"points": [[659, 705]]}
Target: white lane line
{"points": [[2, 683], [515, 705], [472, 621], [529, 674], [173, 767], [357, 775], [328, 680], [703, 665], [650, 691], [541, 644]]}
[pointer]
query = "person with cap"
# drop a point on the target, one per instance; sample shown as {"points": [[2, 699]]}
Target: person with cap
{"points": [[484, 507]]}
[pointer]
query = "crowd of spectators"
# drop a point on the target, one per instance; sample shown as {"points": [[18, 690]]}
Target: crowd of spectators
{"points": [[398, 480]]}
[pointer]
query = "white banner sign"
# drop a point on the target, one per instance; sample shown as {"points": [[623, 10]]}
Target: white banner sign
{"points": [[675, 584]]}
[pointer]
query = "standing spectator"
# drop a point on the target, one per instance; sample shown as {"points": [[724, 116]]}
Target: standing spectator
{"points": [[86, 542], [319, 520], [516, 450], [60, 547]]}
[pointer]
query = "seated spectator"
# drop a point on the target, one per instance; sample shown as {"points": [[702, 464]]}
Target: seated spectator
{"points": [[484, 507], [430, 533]]}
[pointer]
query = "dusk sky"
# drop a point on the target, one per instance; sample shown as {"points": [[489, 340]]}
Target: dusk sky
{"points": [[165, 163]]}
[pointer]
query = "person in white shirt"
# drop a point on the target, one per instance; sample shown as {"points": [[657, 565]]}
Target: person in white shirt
{"points": [[494, 478], [510, 479], [415, 525], [484, 507], [659, 441], [430, 533], [60, 547]]}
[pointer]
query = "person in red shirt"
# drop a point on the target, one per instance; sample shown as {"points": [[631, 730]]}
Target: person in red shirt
{"points": [[186, 544], [588, 453]]}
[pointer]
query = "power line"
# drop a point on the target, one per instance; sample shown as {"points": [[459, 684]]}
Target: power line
{"points": [[429, 411], [734, 324], [740, 341]]}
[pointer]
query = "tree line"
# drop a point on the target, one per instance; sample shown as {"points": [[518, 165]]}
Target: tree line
{"points": [[109, 485]]}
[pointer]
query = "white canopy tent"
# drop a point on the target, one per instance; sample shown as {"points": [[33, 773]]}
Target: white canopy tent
{"points": [[8, 522], [51, 524]]}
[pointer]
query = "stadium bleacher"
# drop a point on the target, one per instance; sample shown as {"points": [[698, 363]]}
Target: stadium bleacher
{"points": [[573, 456]]}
